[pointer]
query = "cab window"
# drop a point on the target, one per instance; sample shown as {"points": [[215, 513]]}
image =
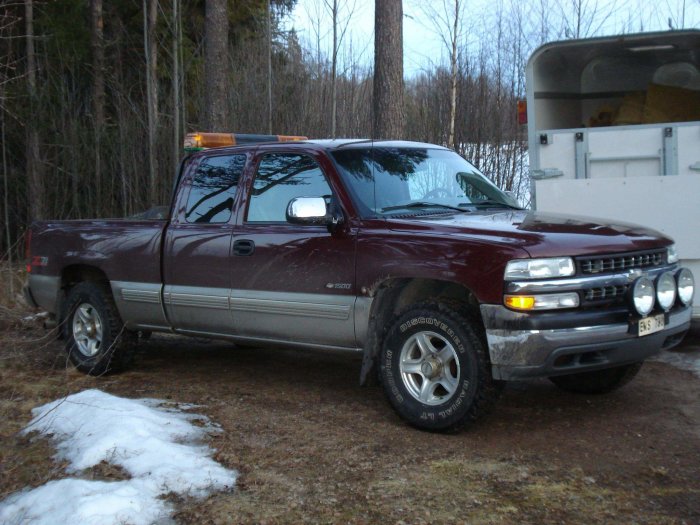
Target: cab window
{"points": [[280, 178], [213, 189]]}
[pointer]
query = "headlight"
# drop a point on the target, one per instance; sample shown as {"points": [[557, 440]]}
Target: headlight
{"points": [[539, 268], [666, 290], [672, 256], [643, 296], [552, 301], [686, 285]]}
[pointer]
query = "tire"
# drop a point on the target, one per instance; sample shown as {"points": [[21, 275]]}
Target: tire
{"points": [[435, 369], [96, 341], [598, 381]]}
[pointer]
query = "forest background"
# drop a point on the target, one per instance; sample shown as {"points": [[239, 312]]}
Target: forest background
{"points": [[95, 97]]}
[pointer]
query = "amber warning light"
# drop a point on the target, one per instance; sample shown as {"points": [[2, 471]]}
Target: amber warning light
{"points": [[522, 112], [200, 140]]}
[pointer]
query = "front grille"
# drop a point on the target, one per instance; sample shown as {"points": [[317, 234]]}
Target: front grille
{"points": [[619, 262], [611, 294]]}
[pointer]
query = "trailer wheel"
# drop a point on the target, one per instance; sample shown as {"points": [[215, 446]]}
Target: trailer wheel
{"points": [[96, 340], [598, 381], [435, 369]]}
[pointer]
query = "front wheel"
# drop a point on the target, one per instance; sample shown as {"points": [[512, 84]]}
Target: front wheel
{"points": [[435, 369], [598, 381], [96, 341]]}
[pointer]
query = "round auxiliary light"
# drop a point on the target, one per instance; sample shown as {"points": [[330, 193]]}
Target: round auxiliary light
{"points": [[686, 285], [666, 290], [643, 296]]}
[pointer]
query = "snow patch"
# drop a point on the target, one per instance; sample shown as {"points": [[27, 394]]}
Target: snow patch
{"points": [[157, 444], [683, 360]]}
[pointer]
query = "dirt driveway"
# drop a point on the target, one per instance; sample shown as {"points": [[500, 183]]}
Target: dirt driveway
{"points": [[314, 447]]}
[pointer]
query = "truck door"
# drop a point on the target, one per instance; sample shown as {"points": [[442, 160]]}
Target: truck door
{"points": [[197, 246], [291, 282]]}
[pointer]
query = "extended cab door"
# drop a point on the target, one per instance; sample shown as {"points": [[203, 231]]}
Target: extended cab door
{"points": [[197, 246], [293, 283]]}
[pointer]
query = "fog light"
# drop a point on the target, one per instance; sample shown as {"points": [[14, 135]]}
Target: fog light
{"points": [[666, 291], [643, 296], [686, 286]]}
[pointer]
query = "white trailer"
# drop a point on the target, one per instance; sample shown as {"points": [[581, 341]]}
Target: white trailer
{"points": [[614, 132]]}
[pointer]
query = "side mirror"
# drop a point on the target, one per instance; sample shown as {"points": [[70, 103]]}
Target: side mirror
{"points": [[310, 211]]}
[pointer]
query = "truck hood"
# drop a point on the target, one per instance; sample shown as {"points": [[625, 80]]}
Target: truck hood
{"points": [[540, 234]]}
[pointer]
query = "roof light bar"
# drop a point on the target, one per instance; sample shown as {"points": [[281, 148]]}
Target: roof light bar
{"points": [[201, 140]]}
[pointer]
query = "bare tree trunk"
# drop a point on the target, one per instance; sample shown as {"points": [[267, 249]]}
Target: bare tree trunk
{"points": [[98, 89], [453, 73], [216, 65], [150, 12], [334, 69], [177, 102], [35, 172], [269, 68], [6, 200], [388, 69]]}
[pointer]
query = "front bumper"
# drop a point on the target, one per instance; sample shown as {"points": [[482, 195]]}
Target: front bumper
{"points": [[523, 346]]}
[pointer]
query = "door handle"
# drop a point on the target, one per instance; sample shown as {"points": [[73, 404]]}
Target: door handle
{"points": [[243, 247]]}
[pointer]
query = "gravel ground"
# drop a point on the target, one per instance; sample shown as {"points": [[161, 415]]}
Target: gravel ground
{"points": [[314, 447]]}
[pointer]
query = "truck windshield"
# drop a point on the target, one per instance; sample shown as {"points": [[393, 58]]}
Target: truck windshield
{"points": [[400, 181]]}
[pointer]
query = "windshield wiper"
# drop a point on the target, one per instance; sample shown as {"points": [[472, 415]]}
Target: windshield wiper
{"points": [[422, 204], [491, 202]]}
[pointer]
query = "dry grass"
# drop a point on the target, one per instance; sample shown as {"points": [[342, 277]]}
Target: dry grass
{"points": [[313, 447]]}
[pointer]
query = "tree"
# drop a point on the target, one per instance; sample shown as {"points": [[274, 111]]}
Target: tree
{"points": [[216, 65], [150, 18], [36, 194], [388, 69], [176, 82], [98, 88], [447, 19], [333, 6]]}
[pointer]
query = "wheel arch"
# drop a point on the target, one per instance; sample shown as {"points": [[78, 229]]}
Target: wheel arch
{"points": [[392, 296], [75, 274]]}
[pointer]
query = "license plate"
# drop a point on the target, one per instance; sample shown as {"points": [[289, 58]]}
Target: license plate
{"points": [[650, 325]]}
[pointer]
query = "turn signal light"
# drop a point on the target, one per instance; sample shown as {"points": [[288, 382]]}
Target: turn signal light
{"points": [[520, 302]]}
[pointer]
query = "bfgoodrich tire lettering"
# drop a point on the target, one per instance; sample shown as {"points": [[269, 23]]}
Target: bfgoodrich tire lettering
{"points": [[435, 369], [96, 341]]}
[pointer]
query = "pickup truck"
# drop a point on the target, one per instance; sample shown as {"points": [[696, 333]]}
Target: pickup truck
{"points": [[400, 250]]}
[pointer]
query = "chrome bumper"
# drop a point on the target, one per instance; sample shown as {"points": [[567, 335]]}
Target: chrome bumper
{"points": [[518, 353]]}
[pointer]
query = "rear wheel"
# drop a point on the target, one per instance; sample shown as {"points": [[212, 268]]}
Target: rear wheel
{"points": [[96, 341], [435, 369], [598, 381]]}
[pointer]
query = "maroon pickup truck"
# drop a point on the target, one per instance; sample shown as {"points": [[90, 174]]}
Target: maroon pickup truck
{"points": [[402, 251]]}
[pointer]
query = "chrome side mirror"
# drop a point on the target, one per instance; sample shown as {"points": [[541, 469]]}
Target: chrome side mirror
{"points": [[308, 210]]}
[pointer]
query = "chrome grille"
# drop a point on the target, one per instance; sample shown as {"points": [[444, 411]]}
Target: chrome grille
{"points": [[620, 262]]}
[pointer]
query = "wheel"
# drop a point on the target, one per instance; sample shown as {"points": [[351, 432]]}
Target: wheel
{"points": [[96, 341], [598, 381], [434, 368]]}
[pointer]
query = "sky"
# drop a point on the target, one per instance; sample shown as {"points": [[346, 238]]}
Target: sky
{"points": [[423, 47], [421, 44]]}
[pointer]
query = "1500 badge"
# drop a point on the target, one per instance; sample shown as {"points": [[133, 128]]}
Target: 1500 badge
{"points": [[338, 286]]}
